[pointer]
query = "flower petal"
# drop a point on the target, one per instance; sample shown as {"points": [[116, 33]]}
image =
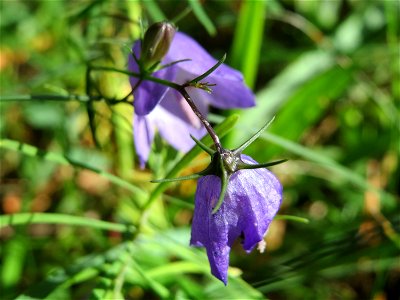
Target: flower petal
{"points": [[230, 90], [143, 132], [185, 47], [252, 199], [149, 93], [226, 94], [260, 195], [176, 123], [211, 231]]}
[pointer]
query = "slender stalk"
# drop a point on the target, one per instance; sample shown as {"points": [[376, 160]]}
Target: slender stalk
{"points": [[140, 76], [203, 120]]}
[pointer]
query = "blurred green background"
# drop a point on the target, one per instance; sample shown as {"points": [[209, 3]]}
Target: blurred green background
{"points": [[74, 221]]}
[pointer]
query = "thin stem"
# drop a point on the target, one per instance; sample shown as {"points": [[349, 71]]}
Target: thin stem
{"points": [[140, 76], [203, 120]]}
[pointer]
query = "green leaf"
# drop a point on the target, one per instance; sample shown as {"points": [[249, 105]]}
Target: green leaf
{"points": [[202, 16], [85, 269], [65, 160], [248, 39], [308, 104], [276, 94], [14, 254], [54, 218], [336, 169]]}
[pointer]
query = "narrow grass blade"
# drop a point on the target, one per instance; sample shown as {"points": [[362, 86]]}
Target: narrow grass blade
{"points": [[63, 159], [248, 39], [53, 218], [202, 16], [154, 10]]}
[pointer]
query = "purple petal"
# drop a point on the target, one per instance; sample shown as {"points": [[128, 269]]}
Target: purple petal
{"points": [[211, 231], [184, 47], [226, 94], [252, 199], [174, 129], [262, 192], [230, 90], [143, 132], [149, 93], [175, 123]]}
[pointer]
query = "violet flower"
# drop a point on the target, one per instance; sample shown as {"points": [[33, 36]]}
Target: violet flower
{"points": [[235, 197], [163, 108], [251, 201]]}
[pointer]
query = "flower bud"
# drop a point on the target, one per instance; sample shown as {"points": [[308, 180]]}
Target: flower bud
{"points": [[156, 42]]}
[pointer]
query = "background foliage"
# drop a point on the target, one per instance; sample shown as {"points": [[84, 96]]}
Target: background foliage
{"points": [[76, 221]]}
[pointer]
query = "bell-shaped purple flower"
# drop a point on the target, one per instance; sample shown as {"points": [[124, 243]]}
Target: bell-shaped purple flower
{"points": [[161, 107], [252, 199]]}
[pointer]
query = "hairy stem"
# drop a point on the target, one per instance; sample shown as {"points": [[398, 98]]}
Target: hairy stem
{"points": [[203, 120]]}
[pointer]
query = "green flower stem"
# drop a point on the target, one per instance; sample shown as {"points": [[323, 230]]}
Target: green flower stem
{"points": [[140, 76]]}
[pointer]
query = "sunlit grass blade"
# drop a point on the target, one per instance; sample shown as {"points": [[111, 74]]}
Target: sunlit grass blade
{"points": [[154, 10], [248, 39], [277, 93], [292, 218], [324, 161], [55, 218], [63, 159], [202, 16]]}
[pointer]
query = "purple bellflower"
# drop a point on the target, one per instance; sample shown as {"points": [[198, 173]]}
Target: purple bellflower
{"points": [[251, 201], [235, 197], [161, 107]]}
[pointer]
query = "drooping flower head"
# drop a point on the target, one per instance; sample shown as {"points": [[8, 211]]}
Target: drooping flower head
{"points": [[251, 201], [235, 197], [160, 107]]}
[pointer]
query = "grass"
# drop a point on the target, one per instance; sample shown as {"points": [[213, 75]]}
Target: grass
{"points": [[328, 72]]}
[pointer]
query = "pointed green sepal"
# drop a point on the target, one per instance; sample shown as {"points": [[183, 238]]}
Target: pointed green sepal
{"points": [[224, 186], [189, 177], [242, 165], [253, 138], [174, 63], [203, 146], [212, 69]]}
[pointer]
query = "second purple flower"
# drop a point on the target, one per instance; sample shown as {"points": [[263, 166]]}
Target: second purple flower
{"points": [[160, 107]]}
